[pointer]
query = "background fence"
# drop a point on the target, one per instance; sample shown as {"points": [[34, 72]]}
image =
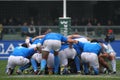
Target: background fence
{"points": [[14, 32]]}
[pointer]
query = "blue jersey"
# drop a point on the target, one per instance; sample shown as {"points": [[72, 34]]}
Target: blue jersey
{"points": [[22, 51], [54, 36], [38, 40], [78, 49], [64, 46], [52, 51], [92, 47], [30, 40]]}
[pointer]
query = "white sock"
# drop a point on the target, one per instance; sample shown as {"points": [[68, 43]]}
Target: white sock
{"points": [[113, 63]]}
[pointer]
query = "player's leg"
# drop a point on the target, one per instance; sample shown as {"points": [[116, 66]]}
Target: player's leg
{"points": [[86, 68], [22, 68], [71, 54], [63, 60], [77, 63], [85, 62], [47, 46], [35, 60], [43, 62], [113, 62], [68, 53], [112, 57], [50, 70], [24, 63], [10, 65], [103, 62], [94, 63], [50, 63], [56, 44], [34, 65], [56, 62], [63, 66]]}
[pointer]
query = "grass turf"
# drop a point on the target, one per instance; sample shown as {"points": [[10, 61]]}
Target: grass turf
{"points": [[3, 76]]}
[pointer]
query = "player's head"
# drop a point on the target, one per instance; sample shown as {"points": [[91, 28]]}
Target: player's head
{"points": [[97, 41], [24, 45], [48, 31], [94, 40]]}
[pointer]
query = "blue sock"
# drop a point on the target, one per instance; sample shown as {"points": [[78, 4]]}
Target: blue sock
{"points": [[43, 64], [77, 63], [56, 64], [34, 64], [25, 67], [86, 68], [96, 71]]}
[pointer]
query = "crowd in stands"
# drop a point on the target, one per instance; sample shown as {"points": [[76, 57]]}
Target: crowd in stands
{"points": [[53, 22], [93, 22], [29, 23]]}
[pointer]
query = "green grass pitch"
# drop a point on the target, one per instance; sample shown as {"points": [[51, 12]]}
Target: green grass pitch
{"points": [[3, 76]]}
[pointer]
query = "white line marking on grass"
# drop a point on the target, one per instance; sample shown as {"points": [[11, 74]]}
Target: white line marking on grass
{"points": [[62, 76]]}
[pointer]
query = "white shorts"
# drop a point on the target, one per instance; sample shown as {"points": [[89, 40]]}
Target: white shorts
{"points": [[90, 58], [110, 50], [51, 44], [37, 57], [65, 54], [50, 60], [14, 61], [84, 40], [33, 46]]}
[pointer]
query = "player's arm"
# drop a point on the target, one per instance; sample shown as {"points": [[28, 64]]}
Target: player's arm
{"points": [[71, 41], [103, 52], [28, 41], [73, 36], [41, 36]]}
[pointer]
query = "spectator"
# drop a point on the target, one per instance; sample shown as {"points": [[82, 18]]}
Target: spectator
{"points": [[89, 22], [31, 31], [11, 23], [24, 30], [110, 36]]}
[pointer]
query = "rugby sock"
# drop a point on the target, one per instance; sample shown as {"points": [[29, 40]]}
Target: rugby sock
{"points": [[61, 69], [43, 64], [56, 64], [96, 71], [86, 68], [34, 64], [50, 70], [113, 63], [77, 63], [24, 67]]}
